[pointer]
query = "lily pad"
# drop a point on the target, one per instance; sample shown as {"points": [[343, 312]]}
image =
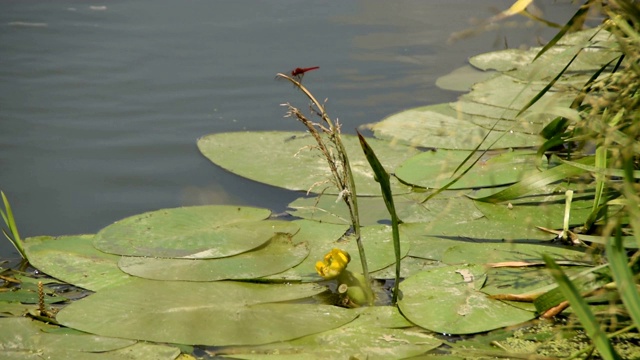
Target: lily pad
{"points": [[448, 300], [278, 255], [462, 78], [506, 92], [372, 210], [294, 161], [364, 338], [509, 280], [378, 245], [549, 214], [409, 266], [319, 237], [428, 127], [23, 338], [200, 232], [434, 169], [74, 260], [485, 253], [205, 313], [519, 63]]}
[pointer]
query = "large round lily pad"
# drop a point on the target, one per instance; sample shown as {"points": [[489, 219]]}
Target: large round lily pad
{"points": [[74, 260], [448, 300], [278, 255], [205, 313], [200, 232], [434, 169], [291, 160]]}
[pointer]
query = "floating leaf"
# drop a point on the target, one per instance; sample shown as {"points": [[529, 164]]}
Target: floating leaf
{"points": [[485, 253], [554, 59], [448, 300], [434, 169], [378, 245], [294, 161], [410, 208], [462, 78], [546, 207], [319, 237], [364, 338], [428, 127], [199, 232], [507, 92], [23, 338], [74, 260], [408, 266], [205, 313], [278, 255]]}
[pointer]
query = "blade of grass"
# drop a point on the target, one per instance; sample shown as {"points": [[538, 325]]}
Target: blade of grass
{"points": [[576, 19], [621, 271], [382, 176], [581, 309], [535, 181], [598, 170], [10, 221]]}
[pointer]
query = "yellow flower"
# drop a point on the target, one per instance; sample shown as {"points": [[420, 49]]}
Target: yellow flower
{"points": [[333, 264]]}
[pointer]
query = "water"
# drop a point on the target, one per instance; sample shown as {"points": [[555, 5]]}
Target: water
{"points": [[101, 103]]}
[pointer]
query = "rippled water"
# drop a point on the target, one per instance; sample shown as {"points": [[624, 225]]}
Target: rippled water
{"points": [[101, 103]]}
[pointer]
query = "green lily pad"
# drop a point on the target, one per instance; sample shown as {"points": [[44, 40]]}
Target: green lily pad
{"points": [[294, 161], [549, 214], [429, 127], [15, 308], [430, 240], [409, 207], [448, 300], [74, 260], [23, 338], [462, 78], [434, 169], [409, 266], [199, 232], [319, 237], [378, 245], [510, 280], [204, 313], [485, 253], [278, 255], [510, 93], [519, 63], [364, 338]]}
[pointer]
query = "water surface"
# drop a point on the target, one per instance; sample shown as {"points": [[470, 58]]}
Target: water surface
{"points": [[101, 103]]}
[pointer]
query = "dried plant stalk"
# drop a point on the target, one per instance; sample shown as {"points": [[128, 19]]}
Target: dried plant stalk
{"points": [[338, 162]]}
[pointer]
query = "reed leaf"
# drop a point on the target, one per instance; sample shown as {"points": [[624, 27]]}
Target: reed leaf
{"points": [[581, 309], [382, 176]]}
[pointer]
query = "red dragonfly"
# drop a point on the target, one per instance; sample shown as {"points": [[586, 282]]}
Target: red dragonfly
{"points": [[298, 73]]}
